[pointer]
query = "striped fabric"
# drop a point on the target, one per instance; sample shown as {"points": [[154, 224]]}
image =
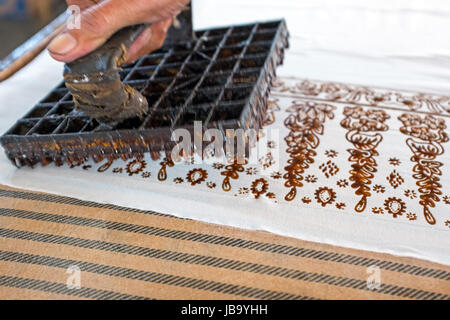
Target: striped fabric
{"points": [[125, 253]]}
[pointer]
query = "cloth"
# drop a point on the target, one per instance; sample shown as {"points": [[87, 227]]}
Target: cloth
{"points": [[339, 164], [384, 214], [124, 253]]}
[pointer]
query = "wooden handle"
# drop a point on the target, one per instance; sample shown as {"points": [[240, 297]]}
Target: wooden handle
{"points": [[30, 49]]}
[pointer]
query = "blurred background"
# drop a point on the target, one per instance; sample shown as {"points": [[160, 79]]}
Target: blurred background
{"points": [[20, 19]]}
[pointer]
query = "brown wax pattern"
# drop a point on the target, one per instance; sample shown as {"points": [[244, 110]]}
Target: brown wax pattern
{"points": [[364, 129], [306, 123], [426, 135]]}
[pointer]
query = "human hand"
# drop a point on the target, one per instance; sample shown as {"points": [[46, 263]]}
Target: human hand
{"points": [[100, 19]]}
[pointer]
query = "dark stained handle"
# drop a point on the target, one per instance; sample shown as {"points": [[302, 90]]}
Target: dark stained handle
{"points": [[94, 81], [110, 55]]}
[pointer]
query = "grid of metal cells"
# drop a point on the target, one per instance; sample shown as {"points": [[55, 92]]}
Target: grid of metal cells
{"points": [[209, 80]]}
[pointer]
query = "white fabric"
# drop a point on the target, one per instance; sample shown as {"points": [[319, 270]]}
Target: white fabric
{"points": [[347, 41]]}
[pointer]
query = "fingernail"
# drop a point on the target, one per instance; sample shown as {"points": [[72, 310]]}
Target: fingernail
{"points": [[62, 44]]}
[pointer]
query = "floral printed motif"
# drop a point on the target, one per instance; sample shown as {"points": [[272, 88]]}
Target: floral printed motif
{"points": [[308, 141], [106, 165], [271, 144], [162, 173], [340, 205], [411, 216], [267, 161], [394, 206], [306, 124], [395, 179], [243, 190], [420, 100], [272, 107], [276, 175], [310, 178], [331, 153], [135, 166], [394, 161], [343, 183], [76, 162], [259, 187], [329, 168], [377, 210], [446, 199], [341, 92], [218, 165], [146, 174], [196, 176], [378, 188], [279, 85], [426, 136], [362, 95], [325, 196], [210, 184], [410, 194], [178, 180], [232, 172], [363, 131], [270, 195], [306, 200], [117, 170], [251, 171]]}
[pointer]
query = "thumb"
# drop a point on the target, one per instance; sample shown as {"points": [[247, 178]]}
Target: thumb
{"points": [[97, 24]]}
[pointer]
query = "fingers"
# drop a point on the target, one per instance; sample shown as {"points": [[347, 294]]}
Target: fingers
{"points": [[82, 4], [99, 21], [150, 40]]}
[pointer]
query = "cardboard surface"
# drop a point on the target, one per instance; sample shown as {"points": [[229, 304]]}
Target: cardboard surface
{"points": [[126, 253]]}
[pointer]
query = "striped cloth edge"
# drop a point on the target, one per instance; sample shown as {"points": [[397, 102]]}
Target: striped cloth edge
{"points": [[125, 253]]}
